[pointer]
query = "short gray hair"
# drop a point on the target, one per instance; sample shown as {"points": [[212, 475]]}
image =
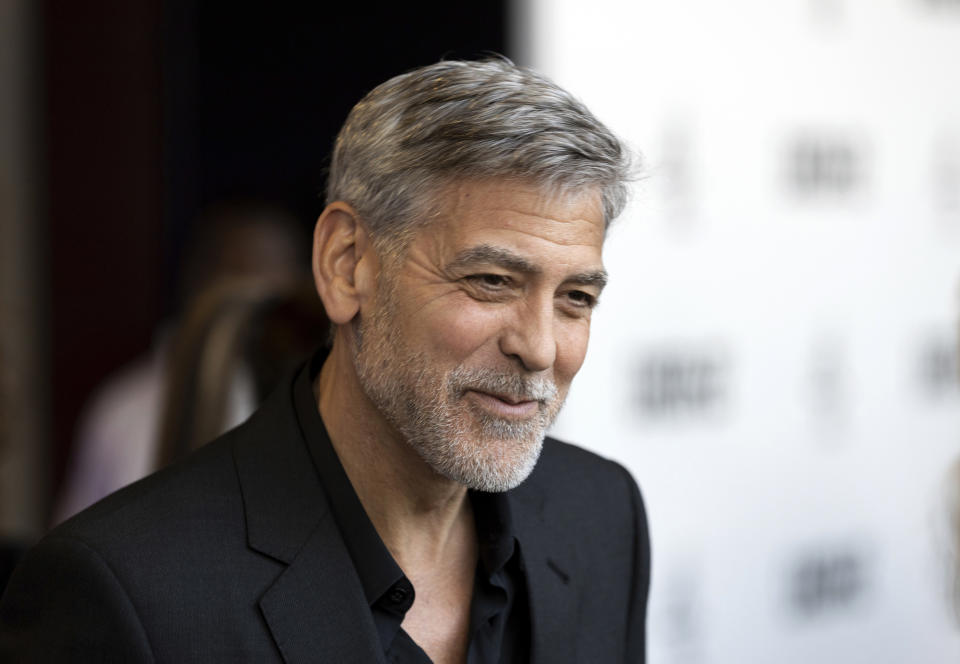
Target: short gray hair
{"points": [[453, 120]]}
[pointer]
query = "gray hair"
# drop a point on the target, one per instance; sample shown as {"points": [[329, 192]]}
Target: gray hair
{"points": [[417, 132]]}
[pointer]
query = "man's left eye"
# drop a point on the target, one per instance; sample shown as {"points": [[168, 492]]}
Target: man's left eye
{"points": [[582, 298]]}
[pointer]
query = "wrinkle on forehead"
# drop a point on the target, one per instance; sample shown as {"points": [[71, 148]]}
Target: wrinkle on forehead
{"points": [[556, 232], [526, 208]]}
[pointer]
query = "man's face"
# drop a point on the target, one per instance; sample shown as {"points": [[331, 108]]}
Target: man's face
{"points": [[477, 331]]}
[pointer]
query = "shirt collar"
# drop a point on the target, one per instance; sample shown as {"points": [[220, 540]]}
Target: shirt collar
{"points": [[495, 532]]}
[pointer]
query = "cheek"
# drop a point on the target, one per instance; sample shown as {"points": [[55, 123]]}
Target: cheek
{"points": [[459, 329], [571, 349]]}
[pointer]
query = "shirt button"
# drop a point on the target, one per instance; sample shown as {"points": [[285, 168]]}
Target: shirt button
{"points": [[398, 594]]}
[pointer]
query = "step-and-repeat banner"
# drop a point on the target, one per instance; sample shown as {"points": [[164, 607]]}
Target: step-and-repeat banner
{"points": [[775, 358]]}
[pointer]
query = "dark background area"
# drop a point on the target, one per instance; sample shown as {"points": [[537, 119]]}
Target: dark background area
{"points": [[152, 110]]}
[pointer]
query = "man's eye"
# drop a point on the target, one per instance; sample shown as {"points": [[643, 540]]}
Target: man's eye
{"points": [[582, 299], [490, 281]]}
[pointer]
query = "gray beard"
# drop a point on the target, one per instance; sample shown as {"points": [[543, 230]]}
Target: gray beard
{"points": [[430, 410]]}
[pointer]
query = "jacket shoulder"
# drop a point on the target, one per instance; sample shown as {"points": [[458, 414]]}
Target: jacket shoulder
{"points": [[583, 490], [203, 485], [172, 544], [199, 497], [566, 467]]}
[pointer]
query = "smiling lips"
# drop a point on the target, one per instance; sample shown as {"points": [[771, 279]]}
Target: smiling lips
{"points": [[505, 405]]}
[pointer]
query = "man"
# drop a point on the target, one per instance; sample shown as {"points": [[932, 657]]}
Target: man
{"points": [[388, 504]]}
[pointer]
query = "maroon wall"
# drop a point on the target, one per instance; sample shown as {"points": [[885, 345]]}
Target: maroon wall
{"points": [[102, 194]]}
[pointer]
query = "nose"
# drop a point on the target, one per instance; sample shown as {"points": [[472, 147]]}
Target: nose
{"points": [[530, 337]]}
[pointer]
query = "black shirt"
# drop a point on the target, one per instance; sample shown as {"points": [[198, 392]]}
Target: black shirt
{"points": [[499, 615]]}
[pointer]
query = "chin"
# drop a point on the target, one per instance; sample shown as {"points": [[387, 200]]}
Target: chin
{"points": [[492, 473]]}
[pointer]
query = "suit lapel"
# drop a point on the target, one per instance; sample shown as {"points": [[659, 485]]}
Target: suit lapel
{"points": [[549, 561], [315, 609]]}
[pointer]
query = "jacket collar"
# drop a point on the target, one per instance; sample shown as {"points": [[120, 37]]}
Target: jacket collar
{"points": [[283, 500], [316, 606]]}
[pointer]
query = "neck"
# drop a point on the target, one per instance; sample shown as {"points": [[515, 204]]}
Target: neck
{"points": [[420, 515]]}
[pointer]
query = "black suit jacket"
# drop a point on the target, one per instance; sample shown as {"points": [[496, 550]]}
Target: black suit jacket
{"points": [[234, 556]]}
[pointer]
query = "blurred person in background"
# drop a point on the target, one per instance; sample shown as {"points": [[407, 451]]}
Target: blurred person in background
{"points": [[121, 428]]}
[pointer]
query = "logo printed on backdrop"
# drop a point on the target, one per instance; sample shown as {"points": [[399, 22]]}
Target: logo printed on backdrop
{"points": [[827, 386], [678, 620], [937, 366], [825, 165], [946, 175], [681, 383], [675, 176], [828, 581], [943, 4], [828, 12]]}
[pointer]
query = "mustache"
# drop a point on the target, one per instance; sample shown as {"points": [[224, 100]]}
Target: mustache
{"points": [[515, 386]]}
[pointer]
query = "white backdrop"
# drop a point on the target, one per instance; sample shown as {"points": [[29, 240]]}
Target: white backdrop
{"points": [[776, 359]]}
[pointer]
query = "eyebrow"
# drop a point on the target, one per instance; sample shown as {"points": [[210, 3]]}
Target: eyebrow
{"points": [[490, 255]]}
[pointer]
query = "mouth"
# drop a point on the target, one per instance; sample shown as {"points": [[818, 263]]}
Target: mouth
{"points": [[505, 405]]}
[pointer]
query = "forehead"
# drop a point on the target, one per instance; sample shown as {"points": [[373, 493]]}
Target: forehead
{"points": [[490, 210]]}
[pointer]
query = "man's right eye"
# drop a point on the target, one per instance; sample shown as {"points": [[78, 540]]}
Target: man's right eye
{"points": [[489, 281]]}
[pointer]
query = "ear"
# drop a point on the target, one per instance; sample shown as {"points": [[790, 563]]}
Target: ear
{"points": [[345, 266]]}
